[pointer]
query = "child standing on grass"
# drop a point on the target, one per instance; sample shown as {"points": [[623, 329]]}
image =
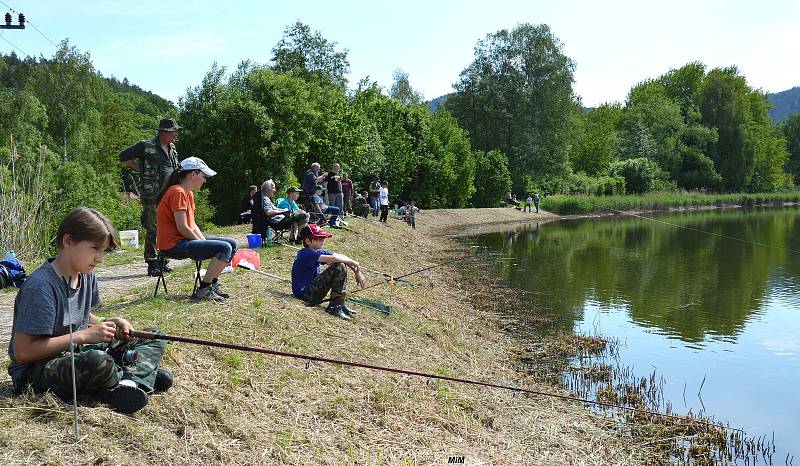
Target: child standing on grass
{"points": [[61, 294], [383, 194], [411, 214], [311, 284]]}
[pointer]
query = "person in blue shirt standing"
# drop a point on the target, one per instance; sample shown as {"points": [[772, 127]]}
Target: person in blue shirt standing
{"points": [[310, 179], [311, 284]]}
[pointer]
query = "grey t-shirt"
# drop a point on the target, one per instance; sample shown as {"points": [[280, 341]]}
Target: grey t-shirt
{"points": [[268, 205], [39, 309]]}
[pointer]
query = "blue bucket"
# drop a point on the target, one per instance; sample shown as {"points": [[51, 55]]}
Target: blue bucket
{"points": [[253, 241]]}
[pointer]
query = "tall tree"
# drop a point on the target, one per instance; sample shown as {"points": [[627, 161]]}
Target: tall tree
{"points": [[516, 96], [791, 131], [309, 54], [747, 142], [402, 90]]}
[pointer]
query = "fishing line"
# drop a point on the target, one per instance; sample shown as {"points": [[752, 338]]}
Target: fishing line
{"points": [[389, 281], [366, 269], [720, 235], [363, 302], [306, 357], [68, 313]]}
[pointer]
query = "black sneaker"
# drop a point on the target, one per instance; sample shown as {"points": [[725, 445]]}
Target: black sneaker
{"points": [[163, 380], [167, 268], [218, 290], [124, 398], [348, 311], [152, 269], [336, 308]]}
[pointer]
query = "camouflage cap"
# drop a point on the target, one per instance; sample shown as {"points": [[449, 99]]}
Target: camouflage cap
{"points": [[168, 124]]}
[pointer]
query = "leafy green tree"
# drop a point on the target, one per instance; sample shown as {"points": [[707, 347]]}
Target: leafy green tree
{"points": [[309, 54], [402, 90], [747, 145], [492, 178], [597, 144], [640, 174], [723, 103], [791, 131], [70, 90], [516, 96]]}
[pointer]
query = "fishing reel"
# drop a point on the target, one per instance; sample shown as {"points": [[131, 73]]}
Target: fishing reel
{"points": [[121, 354]]}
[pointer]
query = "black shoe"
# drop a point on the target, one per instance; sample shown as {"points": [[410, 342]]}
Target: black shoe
{"points": [[166, 267], [152, 269], [348, 311], [218, 290], [124, 398], [163, 380], [335, 308]]}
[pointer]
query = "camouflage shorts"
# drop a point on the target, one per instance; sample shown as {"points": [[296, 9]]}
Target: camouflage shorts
{"points": [[334, 278], [95, 369]]}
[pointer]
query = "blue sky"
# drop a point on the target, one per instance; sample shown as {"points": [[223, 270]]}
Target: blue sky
{"points": [[167, 47]]}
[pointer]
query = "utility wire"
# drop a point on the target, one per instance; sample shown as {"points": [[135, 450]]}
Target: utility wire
{"points": [[13, 45], [30, 23], [41, 33]]}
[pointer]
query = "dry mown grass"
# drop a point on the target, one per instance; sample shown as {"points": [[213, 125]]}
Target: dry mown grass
{"points": [[243, 408]]}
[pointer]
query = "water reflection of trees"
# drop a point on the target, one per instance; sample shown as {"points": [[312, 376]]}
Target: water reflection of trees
{"points": [[686, 283]]}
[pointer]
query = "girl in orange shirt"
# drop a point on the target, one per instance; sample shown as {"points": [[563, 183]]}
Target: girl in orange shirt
{"points": [[178, 233]]}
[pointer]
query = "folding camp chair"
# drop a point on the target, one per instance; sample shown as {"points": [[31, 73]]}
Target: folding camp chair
{"points": [[161, 260]]}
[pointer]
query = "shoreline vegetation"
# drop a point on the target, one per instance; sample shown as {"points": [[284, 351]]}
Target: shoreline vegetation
{"points": [[581, 205], [455, 320]]}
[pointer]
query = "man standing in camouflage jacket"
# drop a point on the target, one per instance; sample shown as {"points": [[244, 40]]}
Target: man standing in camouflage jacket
{"points": [[154, 159]]}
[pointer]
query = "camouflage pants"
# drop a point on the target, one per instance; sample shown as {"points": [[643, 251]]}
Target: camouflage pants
{"points": [[95, 369], [334, 278], [149, 225], [361, 210]]}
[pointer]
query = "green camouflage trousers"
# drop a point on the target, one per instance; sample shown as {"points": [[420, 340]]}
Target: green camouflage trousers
{"points": [[361, 210], [333, 278], [149, 225], [95, 369]]}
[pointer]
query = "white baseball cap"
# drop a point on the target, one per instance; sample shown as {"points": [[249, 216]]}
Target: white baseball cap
{"points": [[196, 163]]}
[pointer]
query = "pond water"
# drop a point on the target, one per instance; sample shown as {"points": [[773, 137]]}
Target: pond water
{"points": [[708, 300]]}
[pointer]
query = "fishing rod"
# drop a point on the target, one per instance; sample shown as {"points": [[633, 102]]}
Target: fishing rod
{"points": [[307, 357], [386, 276], [390, 281], [380, 307]]}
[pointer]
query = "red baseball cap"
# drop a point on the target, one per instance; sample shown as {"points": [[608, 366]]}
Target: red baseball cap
{"points": [[312, 229]]}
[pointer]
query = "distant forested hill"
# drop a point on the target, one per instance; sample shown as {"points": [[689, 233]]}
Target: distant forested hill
{"points": [[433, 104], [784, 104]]}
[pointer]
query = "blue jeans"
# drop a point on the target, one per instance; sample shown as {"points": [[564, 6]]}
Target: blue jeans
{"points": [[221, 248], [334, 211], [375, 203]]}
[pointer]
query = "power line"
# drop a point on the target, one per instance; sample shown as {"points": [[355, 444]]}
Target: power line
{"points": [[30, 23], [12, 44], [42, 34]]}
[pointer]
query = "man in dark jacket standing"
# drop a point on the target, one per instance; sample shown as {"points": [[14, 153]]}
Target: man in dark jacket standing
{"points": [[154, 159]]}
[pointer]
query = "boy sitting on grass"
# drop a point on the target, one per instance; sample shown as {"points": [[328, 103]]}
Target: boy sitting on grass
{"points": [[61, 294], [311, 284]]}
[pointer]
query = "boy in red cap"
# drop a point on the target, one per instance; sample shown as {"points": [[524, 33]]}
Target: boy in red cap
{"points": [[310, 283]]}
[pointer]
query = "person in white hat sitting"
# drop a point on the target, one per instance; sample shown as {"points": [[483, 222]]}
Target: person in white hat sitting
{"points": [[179, 235]]}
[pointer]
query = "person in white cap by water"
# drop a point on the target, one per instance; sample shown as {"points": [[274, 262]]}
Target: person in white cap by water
{"points": [[178, 233]]}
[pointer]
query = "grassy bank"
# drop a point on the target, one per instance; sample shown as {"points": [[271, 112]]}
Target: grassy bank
{"points": [[240, 408], [577, 205]]}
